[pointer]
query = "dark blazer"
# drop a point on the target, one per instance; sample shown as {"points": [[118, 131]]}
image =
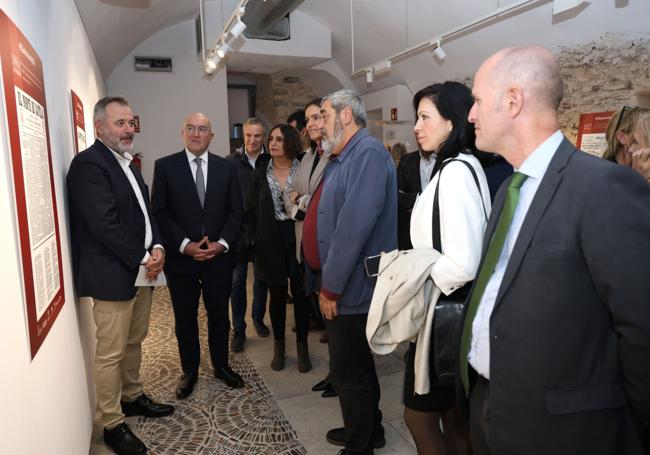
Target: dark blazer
{"points": [[408, 187], [270, 258], [178, 210], [570, 330], [107, 226]]}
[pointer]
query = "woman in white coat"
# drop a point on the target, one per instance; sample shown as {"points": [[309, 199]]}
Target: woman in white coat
{"points": [[442, 127]]}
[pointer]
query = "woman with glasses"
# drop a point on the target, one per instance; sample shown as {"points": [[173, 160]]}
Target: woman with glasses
{"points": [[640, 146], [275, 239], [619, 135]]}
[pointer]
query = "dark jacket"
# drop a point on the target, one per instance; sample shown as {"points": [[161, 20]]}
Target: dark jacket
{"points": [[570, 329], [261, 225], [408, 187], [244, 173], [107, 226], [178, 210]]}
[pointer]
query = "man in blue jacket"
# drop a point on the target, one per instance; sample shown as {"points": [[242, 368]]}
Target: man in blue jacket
{"points": [[352, 215]]}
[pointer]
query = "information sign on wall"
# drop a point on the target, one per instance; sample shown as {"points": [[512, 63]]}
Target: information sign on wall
{"points": [[33, 182]]}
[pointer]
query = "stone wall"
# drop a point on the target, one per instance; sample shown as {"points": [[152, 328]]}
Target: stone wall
{"points": [[601, 76], [277, 98]]}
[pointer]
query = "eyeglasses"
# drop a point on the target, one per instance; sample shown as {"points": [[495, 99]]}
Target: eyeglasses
{"points": [[202, 130], [627, 107]]}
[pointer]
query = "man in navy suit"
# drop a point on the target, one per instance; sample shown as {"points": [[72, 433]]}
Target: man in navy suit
{"points": [[197, 202], [113, 238]]}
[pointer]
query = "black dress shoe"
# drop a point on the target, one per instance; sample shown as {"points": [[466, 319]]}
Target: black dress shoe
{"points": [[123, 442], [322, 385], [329, 391], [186, 385], [144, 406], [228, 376], [338, 437]]}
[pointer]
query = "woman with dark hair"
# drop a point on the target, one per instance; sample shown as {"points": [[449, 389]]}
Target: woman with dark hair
{"points": [[275, 239], [463, 205]]}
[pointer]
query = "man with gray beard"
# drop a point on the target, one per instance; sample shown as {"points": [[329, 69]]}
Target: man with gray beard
{"points": [[114, 237], [352, 215]]}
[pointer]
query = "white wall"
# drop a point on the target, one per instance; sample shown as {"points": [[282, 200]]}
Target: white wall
{"points": [[47, 403], [400, 97], [163, 100]]}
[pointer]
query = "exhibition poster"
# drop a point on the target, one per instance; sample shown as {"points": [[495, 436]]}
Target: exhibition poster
{"points": [[33, 182]]}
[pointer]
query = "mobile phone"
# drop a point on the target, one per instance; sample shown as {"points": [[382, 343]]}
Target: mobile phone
{"points": [[372, 265]]}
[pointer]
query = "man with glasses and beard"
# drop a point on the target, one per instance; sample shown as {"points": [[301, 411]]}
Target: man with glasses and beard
{"points": [[351, 215], [114, 236]]}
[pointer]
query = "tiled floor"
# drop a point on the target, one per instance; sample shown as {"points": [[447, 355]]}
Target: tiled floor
{"points": [[307, 416]]}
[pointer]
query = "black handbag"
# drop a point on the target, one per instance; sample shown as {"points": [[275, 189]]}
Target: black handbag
{"points": [[449, 308]]}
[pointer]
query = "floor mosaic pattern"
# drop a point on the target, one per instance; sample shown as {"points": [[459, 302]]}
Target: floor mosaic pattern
{"points": [[215, 419]]}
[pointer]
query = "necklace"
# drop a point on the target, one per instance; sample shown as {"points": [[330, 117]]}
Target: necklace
{"points": [[281, 168]]}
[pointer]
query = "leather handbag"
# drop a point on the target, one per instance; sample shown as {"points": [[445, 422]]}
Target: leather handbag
{"points": [[449, 308]]}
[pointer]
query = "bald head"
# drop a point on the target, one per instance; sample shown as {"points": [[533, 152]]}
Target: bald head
{"points": [[197, 133], [517, 92], [534, 69]]}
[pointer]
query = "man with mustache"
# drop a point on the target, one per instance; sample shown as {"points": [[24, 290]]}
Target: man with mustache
{"points": [[352, 215], [114, 237]]}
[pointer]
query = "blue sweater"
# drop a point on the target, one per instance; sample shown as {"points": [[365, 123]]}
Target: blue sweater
{"points": [[357, 217]]}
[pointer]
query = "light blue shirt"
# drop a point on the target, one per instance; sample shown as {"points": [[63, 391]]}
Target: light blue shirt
{"points": [[534, 167]]}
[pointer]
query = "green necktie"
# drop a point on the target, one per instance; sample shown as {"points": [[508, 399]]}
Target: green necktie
{"points": [[489, 264]]}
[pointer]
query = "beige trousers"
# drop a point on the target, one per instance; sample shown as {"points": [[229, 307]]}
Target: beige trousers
{"points": [[121, 328]]}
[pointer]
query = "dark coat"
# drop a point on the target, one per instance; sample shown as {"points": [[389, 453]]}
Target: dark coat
{"points": [[408, 187], [178, 210], [244, 174], [260, 224], [107, 226], [570, 329]]}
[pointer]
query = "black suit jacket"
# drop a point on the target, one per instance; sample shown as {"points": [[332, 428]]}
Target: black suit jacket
{"points": [[107, 226], [408, 187], [570, 330], [178, 210]]}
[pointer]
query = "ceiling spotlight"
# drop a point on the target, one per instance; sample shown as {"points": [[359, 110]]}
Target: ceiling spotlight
{"points": [[370, 77], [223, 50], [439, 51], [238, 28], [382, 67], [210, 64]]}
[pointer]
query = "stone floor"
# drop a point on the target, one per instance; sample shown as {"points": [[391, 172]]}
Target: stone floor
{"points": [[276, 413]]}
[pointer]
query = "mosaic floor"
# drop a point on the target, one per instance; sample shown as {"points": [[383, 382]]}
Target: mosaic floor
{"points": [[214, 420]]}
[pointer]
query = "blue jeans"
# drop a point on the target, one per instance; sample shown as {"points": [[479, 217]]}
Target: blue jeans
{"points": [[238, 298]]}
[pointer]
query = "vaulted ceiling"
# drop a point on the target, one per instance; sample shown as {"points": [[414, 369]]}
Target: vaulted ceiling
{"points": [[366, 31]]}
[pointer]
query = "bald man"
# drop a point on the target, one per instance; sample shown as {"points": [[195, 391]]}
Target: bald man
{"points": [[555, 345], [197, 202]]}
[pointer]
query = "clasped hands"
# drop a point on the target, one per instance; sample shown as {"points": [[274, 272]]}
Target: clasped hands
{"points": [[155, 263], [203, 250]]}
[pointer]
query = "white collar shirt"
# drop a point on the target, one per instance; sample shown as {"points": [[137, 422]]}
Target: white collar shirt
{"points": [[193, 165], [534, 167], [426, 168]]}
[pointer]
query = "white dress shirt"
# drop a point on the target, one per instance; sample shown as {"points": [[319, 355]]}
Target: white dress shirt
{"points": [[124, 162], [203, 159], [426, 167], [534, 167]]}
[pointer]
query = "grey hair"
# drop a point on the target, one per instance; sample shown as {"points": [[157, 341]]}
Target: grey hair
{"points": [[99, 112], [255, 121], [348, 98]]}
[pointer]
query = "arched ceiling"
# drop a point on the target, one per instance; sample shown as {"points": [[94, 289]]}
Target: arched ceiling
{"points": [[382, 28]]}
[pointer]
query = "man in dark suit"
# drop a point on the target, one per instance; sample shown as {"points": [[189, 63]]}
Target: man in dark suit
{"points": [[114, 238], [197, 203], [555, 345]]}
